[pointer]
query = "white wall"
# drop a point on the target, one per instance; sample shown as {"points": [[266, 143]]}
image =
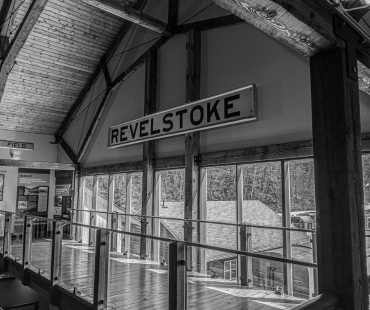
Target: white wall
{"points": [[232, 57], [44, 149]]}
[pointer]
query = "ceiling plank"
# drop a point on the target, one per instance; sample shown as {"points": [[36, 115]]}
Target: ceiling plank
{"points": [[103, 62], [121, 9], [22, 34]]}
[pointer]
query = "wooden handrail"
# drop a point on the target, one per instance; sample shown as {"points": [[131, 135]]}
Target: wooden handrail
{"points": [[325, 301]]}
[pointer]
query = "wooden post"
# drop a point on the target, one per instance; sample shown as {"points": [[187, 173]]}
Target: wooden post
{"points": [[239, 214], [27, 242], [56, 253], [202, 227], [314, 258], [148, 154], [93, 215], [7, 233], [192, 140], [110, 200], [246, 274], [75, 230], [173, 8], [287, 245], [156, 223], [101, 269], [338, 180], [177, 273], [128, 211]]}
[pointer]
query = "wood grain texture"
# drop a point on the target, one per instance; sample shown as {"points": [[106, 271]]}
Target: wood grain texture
{"points": [[192, 141], [338, 180], [150, 107]]}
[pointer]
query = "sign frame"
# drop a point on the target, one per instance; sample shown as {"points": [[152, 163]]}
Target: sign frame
{"points": [[205, 110], [16, 145]]}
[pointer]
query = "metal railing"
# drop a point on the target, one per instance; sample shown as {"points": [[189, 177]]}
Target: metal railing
{"points": [[177, 254]]}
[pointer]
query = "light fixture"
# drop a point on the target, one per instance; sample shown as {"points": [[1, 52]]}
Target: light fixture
{"points": [[15, 154]]}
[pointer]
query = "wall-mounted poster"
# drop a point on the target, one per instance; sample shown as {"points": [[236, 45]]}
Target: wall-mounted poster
{"points": [[63, 201], [33, 191], [2, 179]]}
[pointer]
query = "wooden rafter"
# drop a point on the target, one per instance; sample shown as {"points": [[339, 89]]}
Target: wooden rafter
{"points": [[306, 26], [102, 66], [121, 9], [25, 28]]}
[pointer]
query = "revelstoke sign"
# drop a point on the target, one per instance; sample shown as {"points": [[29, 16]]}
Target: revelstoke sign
{"points": [[236, 106]]}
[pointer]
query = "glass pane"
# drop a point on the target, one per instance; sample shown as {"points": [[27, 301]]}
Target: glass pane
{"points": [[262, 286], [42, 231], [78, 263], [151, 279], [221, 206], [302, 194], [136, 204], [171, 205], [119, 201], [262, 194], [366, 178], [16, 248]]}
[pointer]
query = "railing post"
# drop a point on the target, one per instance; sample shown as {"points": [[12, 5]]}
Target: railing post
{"points": [[246, 275], [27, 242], [92, 222], [114, 225], [101, 269], [56, 255], [177, 272], [7, 233]]}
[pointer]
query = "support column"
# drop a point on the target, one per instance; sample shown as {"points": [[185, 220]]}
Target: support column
{"points": [[148, 155], [93, 215], [338, 180], [156, 223], [128, 218], [287, 244], [192, 142]]}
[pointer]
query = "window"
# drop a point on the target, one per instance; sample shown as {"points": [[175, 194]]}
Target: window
{"points": [[230, 269]]}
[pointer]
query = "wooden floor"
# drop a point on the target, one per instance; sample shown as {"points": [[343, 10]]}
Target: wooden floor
{"points": [[139, 284]]}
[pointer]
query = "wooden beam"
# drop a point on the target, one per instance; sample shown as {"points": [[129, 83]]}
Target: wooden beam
{"points": [[7, 17], [211, 23], [138, 62], [148, 153], [94, 124], [72, 156], [338, 180], [103, 62], [173, 13], [192, 141], [25, 28], [128, 13], [286, 221], [37, 164], [128, 218], [135, 166]]}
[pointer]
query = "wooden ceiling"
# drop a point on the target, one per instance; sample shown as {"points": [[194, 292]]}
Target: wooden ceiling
{"points": [[56, 50], [55, 63]]}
